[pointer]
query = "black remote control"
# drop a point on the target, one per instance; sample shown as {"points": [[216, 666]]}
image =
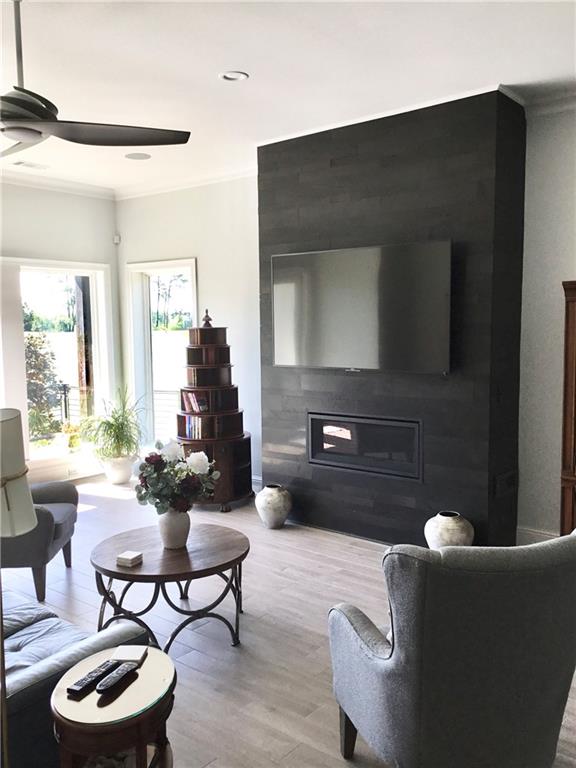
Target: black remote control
{"points": [[115, 677], [89, 681]]}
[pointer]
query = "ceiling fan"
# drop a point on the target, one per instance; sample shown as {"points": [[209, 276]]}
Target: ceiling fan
{"points": [[28, 118]]}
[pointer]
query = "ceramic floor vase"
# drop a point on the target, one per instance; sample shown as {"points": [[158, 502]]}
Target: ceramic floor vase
{"points": [[174, 529], [273, 504], [448, 529], [119, 470]]}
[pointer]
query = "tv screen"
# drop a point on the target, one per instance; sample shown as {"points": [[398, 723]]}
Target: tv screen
{"points": [[379, 308]]}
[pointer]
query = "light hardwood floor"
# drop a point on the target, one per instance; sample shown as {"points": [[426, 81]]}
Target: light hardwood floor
{"points": [[267, 702]]}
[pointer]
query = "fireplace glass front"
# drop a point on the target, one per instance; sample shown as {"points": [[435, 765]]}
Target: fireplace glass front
{"points": [[368, 444]]}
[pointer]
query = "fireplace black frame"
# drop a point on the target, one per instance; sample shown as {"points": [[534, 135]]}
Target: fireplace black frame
{"points": [[416, 424]]}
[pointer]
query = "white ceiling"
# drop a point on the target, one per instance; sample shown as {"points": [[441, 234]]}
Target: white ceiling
{"points": [[312, 65]]}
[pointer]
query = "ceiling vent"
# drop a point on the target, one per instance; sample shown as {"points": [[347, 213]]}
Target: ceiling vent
{"points": [[34, 166]]}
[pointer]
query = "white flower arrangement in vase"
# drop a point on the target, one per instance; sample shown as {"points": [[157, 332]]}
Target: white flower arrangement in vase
{"points": [[173, 482]]}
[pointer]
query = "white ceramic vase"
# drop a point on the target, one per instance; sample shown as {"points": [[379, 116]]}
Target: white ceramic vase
{"points": [[174, 528], [273, 504], [448, 529], [118, 471]]}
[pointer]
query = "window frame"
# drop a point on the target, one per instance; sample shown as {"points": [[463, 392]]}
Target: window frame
{"points": [[105, 369]]}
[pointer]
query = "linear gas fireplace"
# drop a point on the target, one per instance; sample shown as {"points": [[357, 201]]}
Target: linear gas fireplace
{"points": [[366, 444]]}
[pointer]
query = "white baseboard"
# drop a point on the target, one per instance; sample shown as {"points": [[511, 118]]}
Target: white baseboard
{"points": [[533, 536]]}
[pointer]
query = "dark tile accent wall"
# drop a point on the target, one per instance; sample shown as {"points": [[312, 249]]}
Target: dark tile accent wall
{"points": [[454, 171]]}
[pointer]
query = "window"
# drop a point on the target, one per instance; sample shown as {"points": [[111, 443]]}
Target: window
{"points": [[59, 357], [56, 358], [163, 303]]}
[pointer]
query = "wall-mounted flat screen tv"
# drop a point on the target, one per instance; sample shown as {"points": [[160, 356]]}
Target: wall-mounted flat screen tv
{"points": [[384, 308]]}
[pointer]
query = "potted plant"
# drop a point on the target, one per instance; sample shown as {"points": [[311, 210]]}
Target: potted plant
{"points": [[116, 436], [173, 482]]}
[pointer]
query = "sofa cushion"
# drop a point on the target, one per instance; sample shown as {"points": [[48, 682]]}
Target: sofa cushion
{"points": [[37, 641], [64, 517], [19, 612]]}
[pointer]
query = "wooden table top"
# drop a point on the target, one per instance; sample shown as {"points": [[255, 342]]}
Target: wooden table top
{"points": [[156, 678], [210, 549]]}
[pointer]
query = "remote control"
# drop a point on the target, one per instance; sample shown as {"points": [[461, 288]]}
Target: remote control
{"points": [[115, 677], [88, 682]]}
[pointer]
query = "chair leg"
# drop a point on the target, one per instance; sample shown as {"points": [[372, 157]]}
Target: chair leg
{"points": [[39, 575], [348, 733], [67, 552]]}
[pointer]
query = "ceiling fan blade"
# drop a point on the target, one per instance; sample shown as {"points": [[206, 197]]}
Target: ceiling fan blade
{"points": [[19, 146], [13, 149], [52, 108], [15, 108], [101, 134]]}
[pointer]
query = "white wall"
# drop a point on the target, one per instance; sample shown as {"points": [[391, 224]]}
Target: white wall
{"points": [[218, 225], [549, 258], [48, 224]]}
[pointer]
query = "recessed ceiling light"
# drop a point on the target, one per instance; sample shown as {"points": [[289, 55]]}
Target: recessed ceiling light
{"points": [[234, 76], [138, 156]]}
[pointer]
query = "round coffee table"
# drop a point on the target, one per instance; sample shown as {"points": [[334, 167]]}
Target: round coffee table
{"points": [[212, 550], [133, 718]]}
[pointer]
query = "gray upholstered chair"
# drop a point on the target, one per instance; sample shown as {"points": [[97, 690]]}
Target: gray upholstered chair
{"points": [[482, 657], [56, 505]]}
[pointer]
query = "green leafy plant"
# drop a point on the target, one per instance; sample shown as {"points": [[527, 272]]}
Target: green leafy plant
{"points": [[43, 386], [41, 423], [117, 433]]}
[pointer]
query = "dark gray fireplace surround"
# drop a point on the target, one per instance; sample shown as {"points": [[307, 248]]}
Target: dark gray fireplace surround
{"points": [[449, 172]]}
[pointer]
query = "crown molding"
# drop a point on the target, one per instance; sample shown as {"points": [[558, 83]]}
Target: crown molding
{"points": [[55, 185], [148, 190], [552, 106]]}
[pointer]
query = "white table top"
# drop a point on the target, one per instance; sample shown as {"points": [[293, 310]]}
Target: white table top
{"points": [[155, 677]]}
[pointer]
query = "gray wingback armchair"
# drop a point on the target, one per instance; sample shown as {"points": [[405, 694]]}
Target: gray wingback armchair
{"points": [[481, 660], [56, 509]]}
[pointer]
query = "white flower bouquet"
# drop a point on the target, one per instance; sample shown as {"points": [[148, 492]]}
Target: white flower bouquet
{"points": [[169, 479]]}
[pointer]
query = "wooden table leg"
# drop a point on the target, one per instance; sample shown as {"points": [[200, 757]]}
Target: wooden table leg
{"points": [[67, 758], [142, 754], [161, 738]]}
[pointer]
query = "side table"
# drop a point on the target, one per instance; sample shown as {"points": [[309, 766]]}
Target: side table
{"points": [[133, 720]]}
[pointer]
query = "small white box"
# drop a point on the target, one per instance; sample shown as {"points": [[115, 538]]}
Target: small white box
{"points": [[130, 653], [129, 558]]}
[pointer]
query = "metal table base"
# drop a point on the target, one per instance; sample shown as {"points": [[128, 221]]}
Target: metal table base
{"points": [[233, 585]]}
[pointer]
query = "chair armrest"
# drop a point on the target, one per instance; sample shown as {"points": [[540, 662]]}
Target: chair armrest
{"points": [[30, 549], [349, 626], [366, 678], [27, 686], [54, 493]]}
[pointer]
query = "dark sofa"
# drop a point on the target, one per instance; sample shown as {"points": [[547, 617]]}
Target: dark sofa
{"points": [[40, 647]]}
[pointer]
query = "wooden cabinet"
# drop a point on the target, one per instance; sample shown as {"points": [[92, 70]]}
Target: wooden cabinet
{"points": [[209, 419], [568, 503]]}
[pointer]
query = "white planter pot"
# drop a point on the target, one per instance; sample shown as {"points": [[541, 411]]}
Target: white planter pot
{"points": [[118, 471], [273, 503], [174, 528], [448, 529]]}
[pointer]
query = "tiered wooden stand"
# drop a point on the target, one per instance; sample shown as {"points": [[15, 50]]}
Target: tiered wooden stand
{"points": [[210, 419]]}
